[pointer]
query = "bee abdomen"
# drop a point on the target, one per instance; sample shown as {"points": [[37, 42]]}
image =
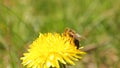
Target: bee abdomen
{"points": [[76, 43]]}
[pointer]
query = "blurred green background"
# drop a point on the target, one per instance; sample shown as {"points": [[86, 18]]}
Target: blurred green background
{"points": [[98, 21]]}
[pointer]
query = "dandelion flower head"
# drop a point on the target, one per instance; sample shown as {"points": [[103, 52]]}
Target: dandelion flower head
{"points": [[49, 49]]}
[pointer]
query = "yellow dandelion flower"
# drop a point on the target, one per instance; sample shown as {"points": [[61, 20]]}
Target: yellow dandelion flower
{"points": [[49, 49]]}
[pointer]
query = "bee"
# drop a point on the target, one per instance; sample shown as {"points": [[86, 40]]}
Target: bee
{"points": [[75, 36]]}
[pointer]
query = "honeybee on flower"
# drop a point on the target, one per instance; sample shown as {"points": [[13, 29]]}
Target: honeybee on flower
{"points": [[51, 50]]}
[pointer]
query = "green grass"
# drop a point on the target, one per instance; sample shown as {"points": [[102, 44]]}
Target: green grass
{"points": [[21, 21]]}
